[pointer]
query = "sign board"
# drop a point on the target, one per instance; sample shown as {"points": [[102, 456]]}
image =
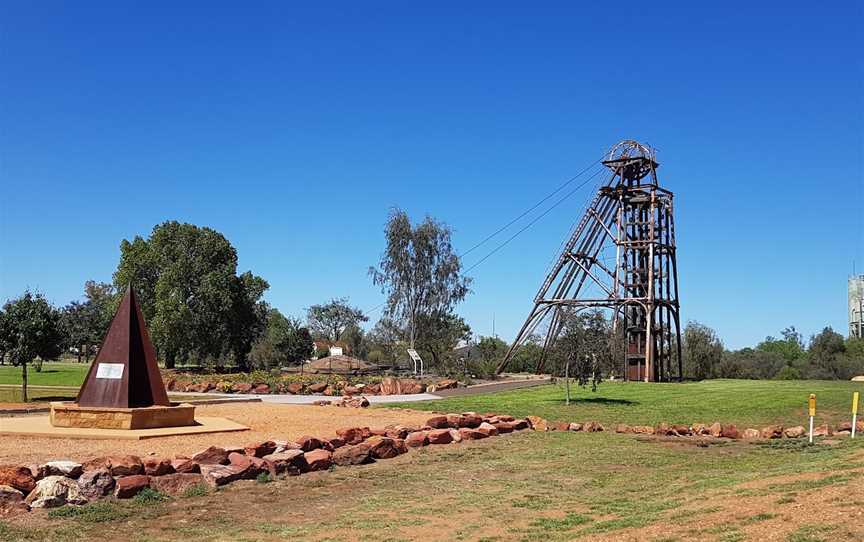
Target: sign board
{"points": [[335, 350], [414, 355], [110, 371]]}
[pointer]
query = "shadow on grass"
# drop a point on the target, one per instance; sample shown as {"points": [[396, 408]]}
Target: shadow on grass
{"points": [[596, 401]]}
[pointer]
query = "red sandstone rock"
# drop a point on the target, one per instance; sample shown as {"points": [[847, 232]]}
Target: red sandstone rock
{"points": [[317, 387], [119, 465], [471, 434], [307, 443], [19, 478], [750, 434], [260, 449], [129, 486], [185, 465], [682, 430], [291, 461], [537, 423], [352, 455], [215, 474], [729, 431], [157, 466], [488, 429], [261, 389], [438, 422], [241, 387], [382, 447], [294, 388], [503, 427], [446, 384], [623, 428], [715, 430], [318, 459], [519, 425], [213, 455], [440, 436], [823, 430], [593, 427], [772, 431], [353, 435], [416, 439]]}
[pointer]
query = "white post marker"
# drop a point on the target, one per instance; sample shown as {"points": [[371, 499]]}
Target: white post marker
{"points": [[854, 412], [811, 404], [417, 359]]}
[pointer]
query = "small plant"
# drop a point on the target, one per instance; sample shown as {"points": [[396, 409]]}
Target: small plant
{"points": [[198, 490], [97, 512], [149, 496], [263, 478]]}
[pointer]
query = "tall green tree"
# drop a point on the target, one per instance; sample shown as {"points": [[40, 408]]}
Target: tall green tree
{"points": [[285, 342], [85, 323], [30, 328], [196, 305], [419, 272], [438, 335], [790, 347], [329, 321], [702, 351]]}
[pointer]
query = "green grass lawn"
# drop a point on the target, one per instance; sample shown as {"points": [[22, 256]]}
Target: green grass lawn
{"points": [[744, 402], [52, 374]]}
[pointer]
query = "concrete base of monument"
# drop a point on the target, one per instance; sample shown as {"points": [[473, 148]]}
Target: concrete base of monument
{"points": [[40, 426], [69, 414]]}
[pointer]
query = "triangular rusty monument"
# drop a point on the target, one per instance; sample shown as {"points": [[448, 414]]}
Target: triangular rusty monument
{"points": [[125, 373], [123, 388]]}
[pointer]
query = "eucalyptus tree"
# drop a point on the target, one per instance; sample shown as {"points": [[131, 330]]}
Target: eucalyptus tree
{"points": [[420, 274]]}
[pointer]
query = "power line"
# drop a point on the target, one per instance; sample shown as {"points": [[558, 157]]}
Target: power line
{"points": [[538, 204], [534, 221]]}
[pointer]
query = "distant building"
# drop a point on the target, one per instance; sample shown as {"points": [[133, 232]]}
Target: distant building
{"points": [[856, 306]]}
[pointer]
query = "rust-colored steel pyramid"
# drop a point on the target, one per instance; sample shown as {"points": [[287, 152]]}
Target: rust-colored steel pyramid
{"points": [[124, 373]]}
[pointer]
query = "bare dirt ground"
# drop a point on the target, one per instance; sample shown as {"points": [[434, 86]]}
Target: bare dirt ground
{"points": [[267, 422]]}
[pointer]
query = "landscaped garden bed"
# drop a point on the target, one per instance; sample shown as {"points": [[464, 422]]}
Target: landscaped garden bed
{"points": [[263, 383]]}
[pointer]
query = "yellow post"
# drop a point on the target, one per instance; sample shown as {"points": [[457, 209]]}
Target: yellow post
{"points": [[854, 412], [811, 403]]}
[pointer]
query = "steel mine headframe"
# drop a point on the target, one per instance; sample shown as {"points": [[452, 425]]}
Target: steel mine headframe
{"points": [[629, 224]]}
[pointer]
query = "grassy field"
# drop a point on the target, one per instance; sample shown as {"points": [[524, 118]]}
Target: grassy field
{"points": [[526, 487], [744, 402], [52, 374]]}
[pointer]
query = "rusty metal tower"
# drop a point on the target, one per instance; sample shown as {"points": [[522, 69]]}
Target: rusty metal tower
{"points": [[621, 257]]}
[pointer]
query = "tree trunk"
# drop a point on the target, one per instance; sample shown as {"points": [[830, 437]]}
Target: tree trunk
{"points": [[79, 351], [170, 360], [24, 382]]}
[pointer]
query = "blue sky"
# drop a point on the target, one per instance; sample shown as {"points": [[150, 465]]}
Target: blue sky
{"points": [[293, 130]]}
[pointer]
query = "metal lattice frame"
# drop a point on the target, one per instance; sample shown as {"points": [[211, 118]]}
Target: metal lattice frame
{"points": [[632, 215]]}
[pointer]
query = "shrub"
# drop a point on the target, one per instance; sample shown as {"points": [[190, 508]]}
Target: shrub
{"points": [[788, 373], [149, 496], [263, 478], [198, 490]]}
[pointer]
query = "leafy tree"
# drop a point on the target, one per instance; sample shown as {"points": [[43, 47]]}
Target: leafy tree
{"points": [[492, 350], [419, 273], [196, 305], [285, 342], [586, 345], [30, 328], [439, 334], [330, 320], [702, 351], [526, 357], [385, 340], [827, 357], [791, 346], [85, 323], [355, 338], [750, 363]]}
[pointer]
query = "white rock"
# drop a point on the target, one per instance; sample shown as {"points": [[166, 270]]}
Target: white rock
{"points": [[55, 491]]}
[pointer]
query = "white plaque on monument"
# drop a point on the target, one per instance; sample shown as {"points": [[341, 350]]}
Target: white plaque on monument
{"points": [[111, 371]]}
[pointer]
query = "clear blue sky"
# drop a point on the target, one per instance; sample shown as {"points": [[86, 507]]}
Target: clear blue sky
{"points": [[293, 129]]}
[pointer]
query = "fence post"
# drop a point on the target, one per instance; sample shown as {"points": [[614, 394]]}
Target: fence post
{"points": [[854, 412], [812, 408]]}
